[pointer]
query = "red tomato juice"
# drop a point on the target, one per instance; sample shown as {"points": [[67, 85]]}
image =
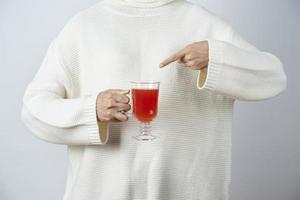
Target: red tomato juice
{"points": [[145, 104]]}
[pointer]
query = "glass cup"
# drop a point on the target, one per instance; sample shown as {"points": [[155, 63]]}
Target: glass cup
{"points": [[144, 101]]}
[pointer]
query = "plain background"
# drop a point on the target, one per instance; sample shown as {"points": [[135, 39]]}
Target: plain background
{"points": [[266, 146]]}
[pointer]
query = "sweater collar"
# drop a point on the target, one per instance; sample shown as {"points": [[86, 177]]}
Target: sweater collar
{"points": [[138, 9], [143, 3]]}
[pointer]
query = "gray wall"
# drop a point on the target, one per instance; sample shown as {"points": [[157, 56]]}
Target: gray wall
{"points": [[266, 139]]}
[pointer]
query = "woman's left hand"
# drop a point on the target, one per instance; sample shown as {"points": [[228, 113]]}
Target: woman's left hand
{"points": [[194, 56]]}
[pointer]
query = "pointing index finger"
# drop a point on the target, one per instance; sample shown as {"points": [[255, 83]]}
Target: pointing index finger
{"points": [[172, 58]]}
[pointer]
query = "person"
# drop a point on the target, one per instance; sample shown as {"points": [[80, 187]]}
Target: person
{"points": [[80, 98]]}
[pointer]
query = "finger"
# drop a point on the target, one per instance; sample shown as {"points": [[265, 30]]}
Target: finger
{"points": [[112, 103], [122, 106], [119, 91], [121, 116], [124, 92], [121, 98], [181, 60], [172, 58], [188, 57], [193, 63]]}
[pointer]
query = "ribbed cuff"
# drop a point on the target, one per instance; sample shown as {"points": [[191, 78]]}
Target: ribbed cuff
{"points": [[207, 80], [95, 128]]}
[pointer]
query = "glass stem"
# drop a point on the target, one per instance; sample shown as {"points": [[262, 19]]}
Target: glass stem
{"points": [[145, 128]]}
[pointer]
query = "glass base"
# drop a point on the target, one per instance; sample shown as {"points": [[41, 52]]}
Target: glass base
{"points": [[144, 137], [145, 132]]}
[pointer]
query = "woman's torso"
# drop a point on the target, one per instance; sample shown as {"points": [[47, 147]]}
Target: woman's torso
{"points": [[191, 157]]}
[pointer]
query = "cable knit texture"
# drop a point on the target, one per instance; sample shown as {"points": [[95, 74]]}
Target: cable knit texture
{"points": [[116, 41]]}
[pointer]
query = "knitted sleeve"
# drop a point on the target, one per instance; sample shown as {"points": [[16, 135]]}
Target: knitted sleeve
{"points": [[54, 117], [239, 70]]}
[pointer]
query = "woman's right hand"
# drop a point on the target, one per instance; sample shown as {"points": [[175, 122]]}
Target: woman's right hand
{"points": [[111, 105]]}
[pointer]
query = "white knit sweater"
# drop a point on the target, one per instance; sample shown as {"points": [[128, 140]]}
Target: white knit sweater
{"points": [[117, 41]]}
